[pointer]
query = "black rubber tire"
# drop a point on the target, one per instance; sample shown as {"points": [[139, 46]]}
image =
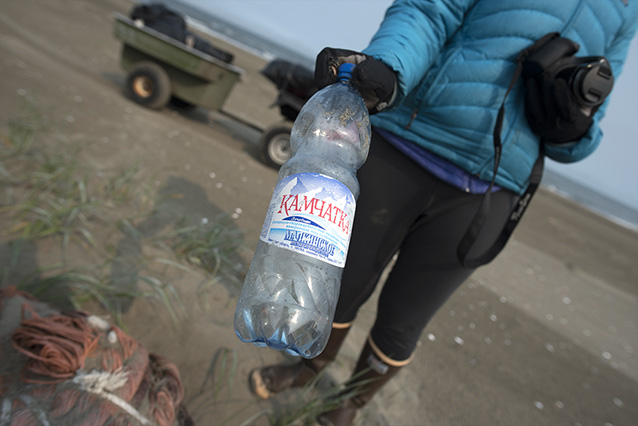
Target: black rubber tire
{"points": [[148, 85], [274, 145]]}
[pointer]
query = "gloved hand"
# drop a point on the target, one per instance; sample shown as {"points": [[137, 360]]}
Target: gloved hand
{"points": [[555, 114], [372, 78]]}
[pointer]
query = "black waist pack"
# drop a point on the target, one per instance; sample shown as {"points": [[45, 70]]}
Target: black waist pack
{"points": [[562, 91]]}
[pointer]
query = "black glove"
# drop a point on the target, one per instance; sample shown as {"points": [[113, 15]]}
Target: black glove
{"points": [[372, 78], [554, 114]]}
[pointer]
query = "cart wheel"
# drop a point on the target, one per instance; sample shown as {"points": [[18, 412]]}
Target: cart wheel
{"points": [[275, 145], [149, 85]]}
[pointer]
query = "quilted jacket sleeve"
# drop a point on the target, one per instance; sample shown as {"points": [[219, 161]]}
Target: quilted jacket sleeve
{"points": [[616, 55], [412, 35]]}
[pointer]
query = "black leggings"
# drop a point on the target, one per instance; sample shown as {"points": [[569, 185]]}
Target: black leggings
{"points": [[403, 208]]}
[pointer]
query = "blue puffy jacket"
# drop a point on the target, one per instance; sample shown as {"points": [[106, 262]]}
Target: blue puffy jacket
{"points": [[455, 58]]}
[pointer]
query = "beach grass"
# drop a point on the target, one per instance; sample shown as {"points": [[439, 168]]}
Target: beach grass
{"points": [[52, 198], [319, 395]]}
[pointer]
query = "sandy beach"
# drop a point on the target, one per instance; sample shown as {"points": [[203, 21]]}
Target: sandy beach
{"points": [[545, 335]]}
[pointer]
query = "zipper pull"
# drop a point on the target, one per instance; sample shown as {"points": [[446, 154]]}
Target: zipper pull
{"points": [[412, 117]]}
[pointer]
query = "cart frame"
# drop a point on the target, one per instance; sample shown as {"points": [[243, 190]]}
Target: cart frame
{"points": [[160, 68]]}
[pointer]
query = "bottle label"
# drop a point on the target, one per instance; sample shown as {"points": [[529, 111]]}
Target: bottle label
{"points": [[311, 213]]}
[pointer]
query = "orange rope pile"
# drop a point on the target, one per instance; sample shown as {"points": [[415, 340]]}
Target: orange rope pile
{"points": [[56, 346], [63, 368]]}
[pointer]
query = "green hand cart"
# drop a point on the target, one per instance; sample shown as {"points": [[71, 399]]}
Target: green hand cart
{"points": [[161, 69]]}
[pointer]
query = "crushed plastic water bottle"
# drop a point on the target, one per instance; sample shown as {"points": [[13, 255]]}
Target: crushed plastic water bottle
{"points": [[290, 293]]}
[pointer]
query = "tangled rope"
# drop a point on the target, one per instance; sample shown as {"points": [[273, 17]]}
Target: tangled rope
{"points": [[76, 368], [56, 346]]}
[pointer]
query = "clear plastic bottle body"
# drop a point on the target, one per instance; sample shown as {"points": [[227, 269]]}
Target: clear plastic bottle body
{"points": [[289, 297]]}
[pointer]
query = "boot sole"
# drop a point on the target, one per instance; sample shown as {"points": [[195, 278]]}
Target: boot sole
{"points": [[257, 385]]}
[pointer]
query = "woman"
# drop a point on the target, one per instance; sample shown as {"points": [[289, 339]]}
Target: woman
{"points": [[435, 75]]}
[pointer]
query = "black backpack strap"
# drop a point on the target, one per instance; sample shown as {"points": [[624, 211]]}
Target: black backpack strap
{"points": [[468, 240]]}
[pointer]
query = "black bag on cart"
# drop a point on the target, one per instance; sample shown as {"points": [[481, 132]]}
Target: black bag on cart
{"points": [[170, 23], [161, 19]]}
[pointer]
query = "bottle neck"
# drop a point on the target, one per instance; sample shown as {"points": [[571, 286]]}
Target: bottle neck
{"points": [[344, 74]]}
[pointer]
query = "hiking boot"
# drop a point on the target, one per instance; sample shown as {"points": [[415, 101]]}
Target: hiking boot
{"points": [[265, 382], [372, 372]]}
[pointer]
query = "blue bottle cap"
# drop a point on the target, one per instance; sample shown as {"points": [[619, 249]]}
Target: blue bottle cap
{"points": [[345, 72]]}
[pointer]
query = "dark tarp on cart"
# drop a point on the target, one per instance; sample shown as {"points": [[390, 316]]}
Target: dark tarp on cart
{"points": [[168, 22]]}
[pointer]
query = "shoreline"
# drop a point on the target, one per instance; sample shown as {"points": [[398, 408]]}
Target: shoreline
{"points": [[604, 215]]}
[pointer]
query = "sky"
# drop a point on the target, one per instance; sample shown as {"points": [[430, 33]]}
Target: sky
{"points": [[310, 25]]}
